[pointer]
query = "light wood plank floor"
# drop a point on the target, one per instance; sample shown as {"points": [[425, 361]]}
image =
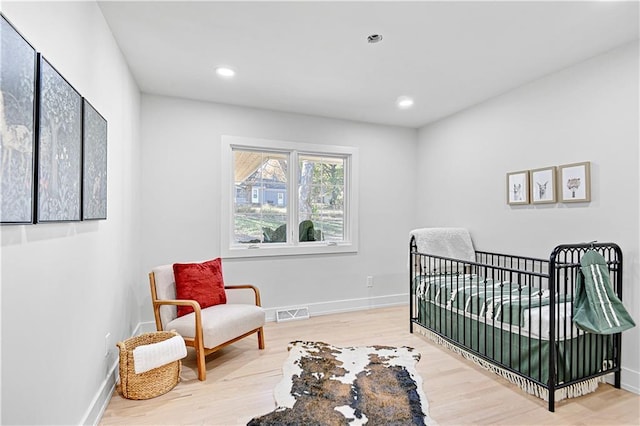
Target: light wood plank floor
{"points": [[241, 378]]}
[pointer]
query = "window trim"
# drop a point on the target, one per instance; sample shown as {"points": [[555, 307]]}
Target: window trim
{"points": [[229, 249]]}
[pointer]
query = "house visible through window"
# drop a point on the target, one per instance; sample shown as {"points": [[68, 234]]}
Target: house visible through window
{"points": [[288, 198], [259, 178]]}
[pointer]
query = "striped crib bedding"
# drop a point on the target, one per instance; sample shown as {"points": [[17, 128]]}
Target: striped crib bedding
{"points": [[500, 303]]}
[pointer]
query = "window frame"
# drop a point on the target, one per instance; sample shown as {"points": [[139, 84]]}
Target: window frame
{"points": [[230, 249]]}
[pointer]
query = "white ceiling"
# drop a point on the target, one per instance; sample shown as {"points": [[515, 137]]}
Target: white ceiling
{"points": [[313, 57]]}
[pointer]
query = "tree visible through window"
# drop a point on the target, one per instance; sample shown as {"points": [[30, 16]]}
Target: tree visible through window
{"points": [[321, 197]]}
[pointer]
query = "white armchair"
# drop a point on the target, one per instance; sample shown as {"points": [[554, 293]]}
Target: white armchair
{"points": [[210, 329]]}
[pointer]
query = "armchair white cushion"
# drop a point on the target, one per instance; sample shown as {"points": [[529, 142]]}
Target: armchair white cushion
{"points": [[220, 323], [212, 328]]}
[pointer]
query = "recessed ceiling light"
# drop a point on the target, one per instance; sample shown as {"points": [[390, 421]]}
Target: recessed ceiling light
{"points": [[225, 72], [404, 102]]}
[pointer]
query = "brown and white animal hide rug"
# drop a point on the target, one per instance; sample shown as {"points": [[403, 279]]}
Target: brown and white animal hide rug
{"points": [[328, 385]]}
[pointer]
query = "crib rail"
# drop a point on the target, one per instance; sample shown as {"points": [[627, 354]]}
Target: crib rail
{"points": [[514, 313]]}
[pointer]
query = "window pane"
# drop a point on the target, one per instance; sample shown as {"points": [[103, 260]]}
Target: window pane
{"points": [[321, 198], [260, 203]]}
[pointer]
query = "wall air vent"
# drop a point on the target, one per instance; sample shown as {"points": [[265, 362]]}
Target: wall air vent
{"points": [[291, 314]]}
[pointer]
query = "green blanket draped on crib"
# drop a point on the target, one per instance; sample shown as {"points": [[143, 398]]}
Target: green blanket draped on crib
{"points": [[597, 309]]}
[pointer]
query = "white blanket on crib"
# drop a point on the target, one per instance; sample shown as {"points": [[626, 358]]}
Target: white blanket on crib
{"points": [[454, 243], [538, 320], [154, 355]]}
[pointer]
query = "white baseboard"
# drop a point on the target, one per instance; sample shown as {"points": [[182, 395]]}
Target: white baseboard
{"points": [[320, 308], [346, 305], [103, 396], [630, 380]]}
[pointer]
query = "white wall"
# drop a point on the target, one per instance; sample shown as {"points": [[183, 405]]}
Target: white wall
{"points": [[181, 195], [65, 286], [588, 112]]}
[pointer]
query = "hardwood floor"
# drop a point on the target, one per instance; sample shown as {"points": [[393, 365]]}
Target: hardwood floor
{"points": [[241, 378]]}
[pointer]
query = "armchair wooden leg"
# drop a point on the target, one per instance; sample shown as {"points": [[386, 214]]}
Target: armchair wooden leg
{"points": [[202, 366], [261, 338]]}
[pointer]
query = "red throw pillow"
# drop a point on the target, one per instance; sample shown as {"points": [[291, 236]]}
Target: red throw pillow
{"points": [[201, 282]]}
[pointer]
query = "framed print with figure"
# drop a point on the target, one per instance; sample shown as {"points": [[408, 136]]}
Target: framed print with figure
{"points": [[543, 185], [518, 187], [575, 182]]}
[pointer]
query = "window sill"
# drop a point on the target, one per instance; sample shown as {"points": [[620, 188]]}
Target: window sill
{"points": [[275, 249]]}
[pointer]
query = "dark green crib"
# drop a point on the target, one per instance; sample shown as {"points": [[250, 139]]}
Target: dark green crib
{"points": [[512, 315]]}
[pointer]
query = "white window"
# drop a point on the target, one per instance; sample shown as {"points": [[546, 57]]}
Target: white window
{"points": [[284, 198]]}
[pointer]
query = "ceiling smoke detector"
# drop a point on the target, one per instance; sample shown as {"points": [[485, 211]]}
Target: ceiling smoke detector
{"points": [[374, 38]]}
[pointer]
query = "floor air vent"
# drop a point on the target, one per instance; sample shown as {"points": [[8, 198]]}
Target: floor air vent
{"points": [[292, 314]]}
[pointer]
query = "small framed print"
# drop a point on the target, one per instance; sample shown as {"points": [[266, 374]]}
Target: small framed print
{"points": [[574, 182], [518, 187], [543, 185]]}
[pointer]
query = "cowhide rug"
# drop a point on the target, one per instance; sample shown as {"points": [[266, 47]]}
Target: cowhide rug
{"points": [[327, 385]]}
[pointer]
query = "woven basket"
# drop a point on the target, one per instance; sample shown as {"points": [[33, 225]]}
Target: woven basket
{"points": [[151, 383]]}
